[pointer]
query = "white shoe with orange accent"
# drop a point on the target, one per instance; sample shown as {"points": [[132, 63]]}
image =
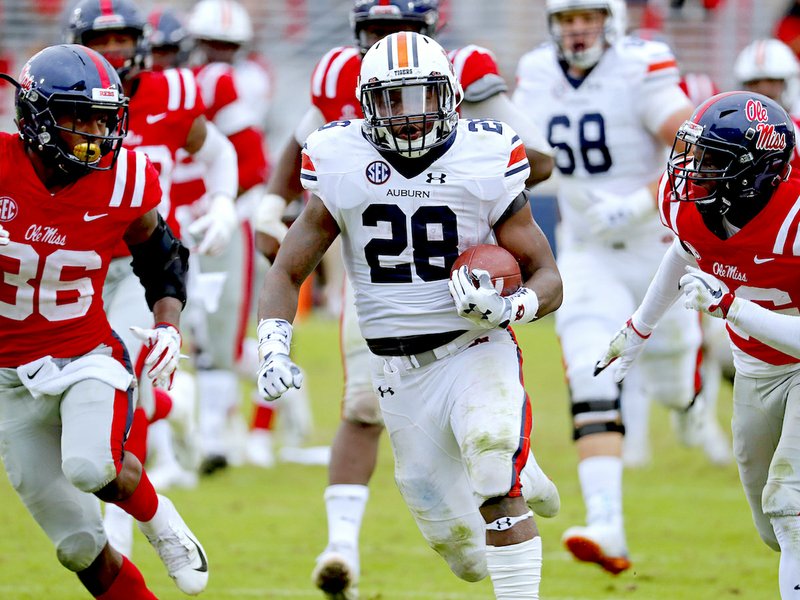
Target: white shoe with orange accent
{"points": [[600, 544]]}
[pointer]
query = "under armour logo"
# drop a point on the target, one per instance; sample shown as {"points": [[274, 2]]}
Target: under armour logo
{"points": [[383, 392], [503, 524], [439, 178]]}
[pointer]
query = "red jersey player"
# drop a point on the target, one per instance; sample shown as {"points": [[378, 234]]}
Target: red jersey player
{"points": [[166, 114], [69, 193], [333, 86], [727, 196]]}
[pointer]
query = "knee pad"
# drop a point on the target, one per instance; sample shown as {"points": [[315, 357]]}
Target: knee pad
{"points": [[778, 499], [360, 405], [489, 464], [88, 475], [466, 560], [78, 550], [596, 416]]}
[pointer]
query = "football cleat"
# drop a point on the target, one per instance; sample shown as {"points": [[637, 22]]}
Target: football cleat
{"points": [[540, 493], [178, 548], [600, 544], [336, 572], [259, 449]]}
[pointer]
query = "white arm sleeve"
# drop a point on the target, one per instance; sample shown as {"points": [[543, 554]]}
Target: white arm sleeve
{"points": [[501, 108], [218, 156], [777, 330], [663, 290], [312, 120]]}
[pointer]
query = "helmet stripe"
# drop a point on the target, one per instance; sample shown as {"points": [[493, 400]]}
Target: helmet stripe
{"points": [[100, 65], [390, 51], [106, 7], [701, 110], [402, 50], [414, 52]]}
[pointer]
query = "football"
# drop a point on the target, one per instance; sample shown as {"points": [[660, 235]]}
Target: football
{"points": [[499, 262]]}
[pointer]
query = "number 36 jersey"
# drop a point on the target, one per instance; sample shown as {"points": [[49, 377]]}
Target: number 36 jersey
{"points": [[53, 269], [604, 127], [401, 235]]}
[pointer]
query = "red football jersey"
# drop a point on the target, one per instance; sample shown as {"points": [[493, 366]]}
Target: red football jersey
{"points": [[234, 97], [162, 110], [760, 262], [53, 269], [334, 80]]}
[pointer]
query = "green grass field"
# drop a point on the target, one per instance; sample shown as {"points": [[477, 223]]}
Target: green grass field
{"points": [[688, 525]]}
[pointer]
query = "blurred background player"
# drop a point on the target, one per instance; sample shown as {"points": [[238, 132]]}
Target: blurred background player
{"points": [[165, 115], [235, 100], [611, 106], [170, 43], [355, 447], [67, 383]]}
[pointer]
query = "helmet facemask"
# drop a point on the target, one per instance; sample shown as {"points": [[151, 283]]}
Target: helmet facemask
{"points": [[409, 116], [63, 114], [605, 33]]}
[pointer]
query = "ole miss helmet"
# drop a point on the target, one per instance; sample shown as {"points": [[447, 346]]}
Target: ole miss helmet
{"points": [[421, 15], [735, 148], [91, 18], [70, 83]]}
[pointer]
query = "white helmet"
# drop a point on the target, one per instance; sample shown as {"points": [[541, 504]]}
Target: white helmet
{"points": [[770, 59], [407, 80], [614, 28], [222, 21]]}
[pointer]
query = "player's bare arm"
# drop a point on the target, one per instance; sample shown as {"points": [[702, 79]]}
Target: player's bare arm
{"points": [[302, 249], [196, 136], [520, 235]]}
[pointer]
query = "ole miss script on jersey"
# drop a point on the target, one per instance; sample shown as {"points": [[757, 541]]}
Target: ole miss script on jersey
{"points": [[760, 262], [53, 269], [333, 82]]}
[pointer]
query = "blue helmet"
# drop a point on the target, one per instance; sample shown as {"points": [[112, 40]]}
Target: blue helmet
{"points": [[421, 15], [735, 148], [74, 82], [91, 18], [168, 32]]}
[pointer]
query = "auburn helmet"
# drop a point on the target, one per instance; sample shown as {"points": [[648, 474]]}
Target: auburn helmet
{"points": [[770, 60], [613, 28], [421, 15], [735, 148], [91, 18], [409, 94], [221, 21], [64, 85]]}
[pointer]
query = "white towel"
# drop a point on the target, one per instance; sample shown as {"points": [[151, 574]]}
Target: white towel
{"points": [[44, 377]]}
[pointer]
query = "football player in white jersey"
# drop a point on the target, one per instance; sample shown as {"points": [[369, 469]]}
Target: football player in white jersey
{"points": [[409, 188], [355, 447], [611, 105]]}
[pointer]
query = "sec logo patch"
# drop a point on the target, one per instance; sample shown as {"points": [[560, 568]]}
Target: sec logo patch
{"points": [[378, 172], [8, 209]]}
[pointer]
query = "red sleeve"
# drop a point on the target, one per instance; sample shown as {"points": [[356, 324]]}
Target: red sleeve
{"points": [[224, 94], [333, 84], [476, 69], [251, 157]]}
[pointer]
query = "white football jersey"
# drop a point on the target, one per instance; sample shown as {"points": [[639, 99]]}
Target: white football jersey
{"points": [[605, 129], [402, 235]]}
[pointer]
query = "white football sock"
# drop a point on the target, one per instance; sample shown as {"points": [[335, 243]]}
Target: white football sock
{"points": [[787, 530], [516, 571], [601, 484], [345, 504]]}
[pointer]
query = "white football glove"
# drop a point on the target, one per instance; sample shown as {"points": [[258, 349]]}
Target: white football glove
{"points": [[626, 345], [482, 305], [215, 228], [4, 239], [164, 346], [611, 214], [277, 373], [706, 293], [269, 215]]}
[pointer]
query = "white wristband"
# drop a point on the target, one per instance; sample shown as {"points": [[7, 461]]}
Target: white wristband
{"points": [[524, 306], [274, 336]]}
